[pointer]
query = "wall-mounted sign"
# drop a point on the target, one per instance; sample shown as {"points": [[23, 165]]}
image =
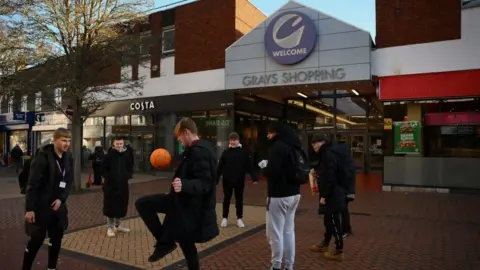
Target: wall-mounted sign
{"points": [[407, 137], [217, 123], [387, 123], [315, 75], [290, 37], [141, 106]]}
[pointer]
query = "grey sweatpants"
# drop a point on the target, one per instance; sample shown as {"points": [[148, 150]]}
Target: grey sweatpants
{"points": [[281, 229]]}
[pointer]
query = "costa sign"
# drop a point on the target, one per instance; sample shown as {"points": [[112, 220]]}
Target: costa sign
{"points": [[141, 106], [290, 37]]}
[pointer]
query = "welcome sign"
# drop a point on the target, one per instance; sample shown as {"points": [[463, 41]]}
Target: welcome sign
{"points": [[290, 37]]}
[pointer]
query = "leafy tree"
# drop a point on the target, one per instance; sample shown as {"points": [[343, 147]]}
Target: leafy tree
{"points": [[76, 50]]}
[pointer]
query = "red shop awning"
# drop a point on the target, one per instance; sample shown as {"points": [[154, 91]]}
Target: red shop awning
{"points": [[431, 85]]}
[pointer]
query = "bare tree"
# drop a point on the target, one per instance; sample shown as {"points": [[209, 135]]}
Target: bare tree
{"points": [[80, 46]]}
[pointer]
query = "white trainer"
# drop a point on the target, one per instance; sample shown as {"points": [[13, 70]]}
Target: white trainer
{"points": [[110, 232], [224, 223], [122, 229], [240, 223]]}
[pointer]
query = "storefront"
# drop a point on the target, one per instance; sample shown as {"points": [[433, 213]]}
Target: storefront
{"points": [[434, 140], [149, 123], [45, 125], [310, 70], [15, 129]]}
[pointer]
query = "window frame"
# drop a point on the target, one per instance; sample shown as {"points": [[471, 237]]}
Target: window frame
{"points": [[165, 30]]}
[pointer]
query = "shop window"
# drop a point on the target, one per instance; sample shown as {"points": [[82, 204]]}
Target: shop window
{"points": [[168, 40], [199, 114], [24, 103], [10, 104], [57, 95], [122, 120], [452, 141], [38, 101]]}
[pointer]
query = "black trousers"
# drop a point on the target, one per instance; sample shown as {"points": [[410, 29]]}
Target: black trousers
{"points": [[346, 226], [148, 207], [37, 236], [333, 228], [228, 190]]}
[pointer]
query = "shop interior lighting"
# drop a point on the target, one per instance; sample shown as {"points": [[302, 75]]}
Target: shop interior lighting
{"points": [[319, 111], [355, 92], [302, 95]]}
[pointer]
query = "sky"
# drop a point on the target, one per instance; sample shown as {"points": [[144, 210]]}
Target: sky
{"points": [[351, 11]]}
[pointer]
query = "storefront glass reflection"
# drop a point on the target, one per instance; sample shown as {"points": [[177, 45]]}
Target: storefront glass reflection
{"points": [[19, 137]]}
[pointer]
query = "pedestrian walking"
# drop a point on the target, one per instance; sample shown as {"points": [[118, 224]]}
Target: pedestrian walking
{"points": [[332, 194], [283, 192], [47, 190], [234, 164], [189, 207], [117, 169], [97, 158]]}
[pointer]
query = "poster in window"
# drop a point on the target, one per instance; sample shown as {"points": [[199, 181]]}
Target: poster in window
{"points": [[407, 137]]}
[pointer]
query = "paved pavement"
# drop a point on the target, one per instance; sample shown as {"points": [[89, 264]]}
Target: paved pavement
{"points": [[392, 231]]}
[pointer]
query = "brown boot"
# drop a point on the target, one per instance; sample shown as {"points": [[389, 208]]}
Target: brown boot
{"points": [[322, 248], [336, 255]]}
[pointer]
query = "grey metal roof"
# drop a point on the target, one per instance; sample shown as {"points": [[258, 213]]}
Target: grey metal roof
{"points": [[470, 4]]}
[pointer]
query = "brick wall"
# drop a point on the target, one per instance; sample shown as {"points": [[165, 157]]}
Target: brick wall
{"points": [[247, 17], [405, 22], [203, 30]]}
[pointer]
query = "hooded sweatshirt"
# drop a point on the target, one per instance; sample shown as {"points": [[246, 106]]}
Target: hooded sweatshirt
{"points": [[233, 165], [280, 167]]}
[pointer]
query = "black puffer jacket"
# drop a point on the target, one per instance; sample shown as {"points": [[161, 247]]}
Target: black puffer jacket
{"points": [[191, 215], [117, 168], [329, 182], [280, 168]]}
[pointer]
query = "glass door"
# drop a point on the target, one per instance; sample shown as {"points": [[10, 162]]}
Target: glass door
{"points": [[142, 144]]}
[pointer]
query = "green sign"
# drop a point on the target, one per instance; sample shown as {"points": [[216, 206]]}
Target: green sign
{"points": [[407, 137]]}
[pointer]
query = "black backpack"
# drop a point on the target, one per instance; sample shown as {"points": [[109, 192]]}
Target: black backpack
{"points": [[301, 167], [347, 171], [23, 176]]}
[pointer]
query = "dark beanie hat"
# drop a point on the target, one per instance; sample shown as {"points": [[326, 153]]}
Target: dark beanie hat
{"points": [[320, 138]]}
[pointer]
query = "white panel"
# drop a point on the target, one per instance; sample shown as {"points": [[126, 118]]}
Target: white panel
{"points": [[453, 55], [344, 40], [252, 37], [330, 26], [245, 66], [313, 14], [167, 66], [357, 72], [345, 56], [310, 62], [246, 51]]}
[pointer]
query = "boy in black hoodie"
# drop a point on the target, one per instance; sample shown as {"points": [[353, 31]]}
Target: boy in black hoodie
{"points": [[283, 194], [234, 164], [332, 194]]}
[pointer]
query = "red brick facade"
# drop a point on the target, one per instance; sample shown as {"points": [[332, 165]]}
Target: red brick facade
{"points": [[405, 22]]}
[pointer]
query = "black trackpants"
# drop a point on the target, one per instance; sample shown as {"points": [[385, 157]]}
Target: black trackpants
{"points": [[346, 226], [333, 228], [228, 190], [148, 207], [37, 236]]}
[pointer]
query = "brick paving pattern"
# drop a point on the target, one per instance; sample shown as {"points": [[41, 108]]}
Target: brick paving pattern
{"points": [[392, 231], [135, 247]]}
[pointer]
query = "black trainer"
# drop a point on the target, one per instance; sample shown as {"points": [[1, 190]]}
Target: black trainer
{"points": [[161, 250]]}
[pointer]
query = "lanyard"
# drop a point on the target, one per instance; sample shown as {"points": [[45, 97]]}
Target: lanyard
{"points": [[61, 171]]}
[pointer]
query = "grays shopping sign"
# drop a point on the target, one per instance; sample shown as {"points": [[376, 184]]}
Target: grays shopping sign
{"points": [[290, 37], [292, 77]]}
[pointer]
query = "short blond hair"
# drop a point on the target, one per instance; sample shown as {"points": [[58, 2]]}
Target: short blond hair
{"points": [[185, 124], [61, 133]]}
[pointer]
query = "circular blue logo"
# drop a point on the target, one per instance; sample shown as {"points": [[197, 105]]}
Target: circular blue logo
{"points": [[290, 37]]}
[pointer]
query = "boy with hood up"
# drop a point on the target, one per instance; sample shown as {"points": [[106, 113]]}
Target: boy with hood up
{"points": [[283, 193], [234, 164]]}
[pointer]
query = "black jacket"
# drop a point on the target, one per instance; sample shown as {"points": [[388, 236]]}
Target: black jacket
{"points": [[329, 182], [280, 168], [42, 187], [191, 214], [117, 168], [233, 165]]}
